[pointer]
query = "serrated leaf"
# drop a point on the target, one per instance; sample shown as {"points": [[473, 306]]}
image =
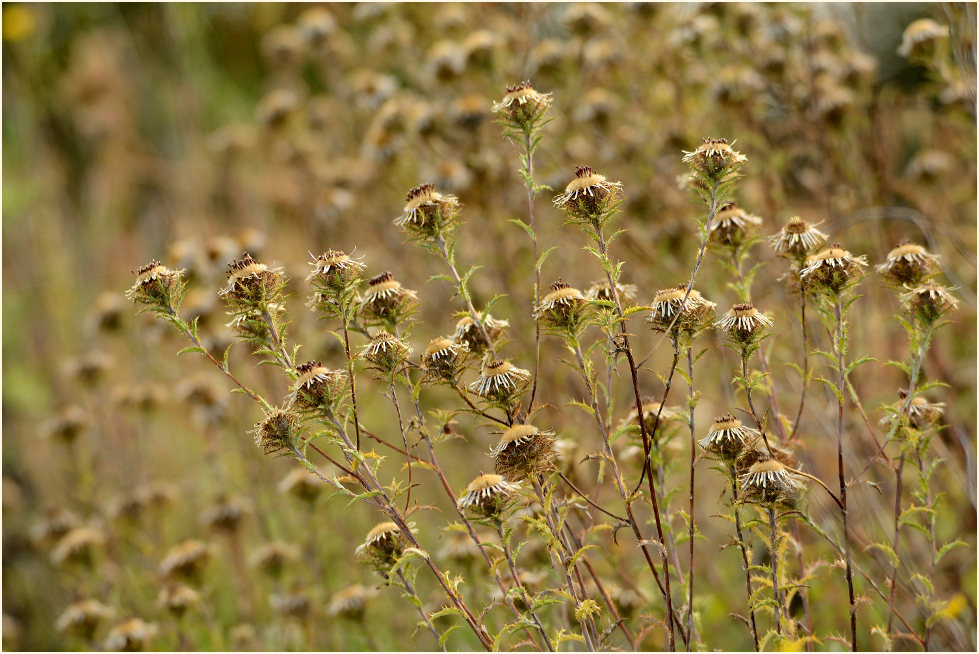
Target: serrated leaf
{"points": [[192, 348]]}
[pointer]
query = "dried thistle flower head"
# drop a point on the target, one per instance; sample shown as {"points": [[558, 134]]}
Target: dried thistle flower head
{"points": [[921, 413], [275, 108], [908, 263], [317, 387], [428, 214], [929, 301], [382, 546], [67, 424], [349, 602], [386, 298], [272, 558], [732, 225], [601, 291], [225, 515], [522, 108], [82, 618], [686, 316], [743, 323], [178, 598], [761, 451], [487, 495], [728, 438], [650, 409], [156, 286], [796, 239], [563, 309], [770, 482], [79, 547], [57, 522], [90, 368], [442, 357], [251, 284], [468, 332], [923, 39], [278, 431], [715, 161], [385, 352], [834, 268], [334, 272], [107, 315], [589, 197], [300, 483], [316, 24], [132, 635], [499, 380], [524, 450], [186, 561]]}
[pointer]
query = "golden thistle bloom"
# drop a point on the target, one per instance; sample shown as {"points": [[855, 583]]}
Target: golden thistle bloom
{"points": [[522, 107], [469, 332], [796, 239], [272, 558], [442, 356], [186, 561], [156, 285], [317, 386], [385, 352], [383, 545], [300, 483], [589, 196], [770, 482], [908, 263], [334, 271], [743, 323], [727, 438], [349, 602], [279, 430], [500, 380], [178, 598], [563, 308], [832, 268], [732, 225], [715, 160], [487, 495], [602, 291], [79, 546], [930, 300], [251, 283], [428, 213], [83, 617], [132, 635], [524, 450], [691, 315], [294, 603], [922, 38], [386, 297], [67, 424]]}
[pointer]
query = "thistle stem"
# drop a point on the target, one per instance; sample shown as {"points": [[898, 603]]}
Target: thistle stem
{"points": [[428, 623], [774, 554], [529, 154], [744, 551]]}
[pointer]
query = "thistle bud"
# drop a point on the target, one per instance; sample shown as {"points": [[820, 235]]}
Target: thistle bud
{"points": [[563, 309], [251, 285], [908, 263], [832, 269], [386, 299], [442, 357], [428, 214], [278, 431], [157, 286], [385, 352], [715, 161], [334, 272], [589, 197], [743, 324], [728, 438], [929, 301], [487, 495], [524, 450], [317, 387], [382, 546], [522, 107], [732, 225]]}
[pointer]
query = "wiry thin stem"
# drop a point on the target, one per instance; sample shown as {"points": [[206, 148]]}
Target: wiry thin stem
{"points": [[895, 543], [690, 519], [350, 376], [529, 154], [744, 550], [838, 347], [520, 585], [404, 439], [774, 554], [428, 623], [805, 369]]}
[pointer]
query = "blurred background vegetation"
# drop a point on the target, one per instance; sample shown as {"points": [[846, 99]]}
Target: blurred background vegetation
{"points": [[189, 133]]}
